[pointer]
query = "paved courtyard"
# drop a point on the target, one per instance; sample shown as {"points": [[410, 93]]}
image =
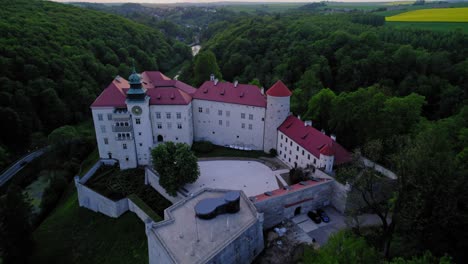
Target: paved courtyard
{"points": [[250, 176]]}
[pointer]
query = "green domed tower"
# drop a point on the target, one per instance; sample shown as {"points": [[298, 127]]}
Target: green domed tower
{"points": [[136, 91]]}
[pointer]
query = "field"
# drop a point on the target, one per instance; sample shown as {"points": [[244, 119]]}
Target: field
{"points": [[432, 15], [77, 235]]}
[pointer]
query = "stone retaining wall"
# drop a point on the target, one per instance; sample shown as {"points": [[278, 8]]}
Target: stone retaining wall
{"points": [[152, 178], [340, 192]]}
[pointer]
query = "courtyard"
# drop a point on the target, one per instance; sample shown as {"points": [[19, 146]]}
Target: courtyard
{"points": [[250, 176]]}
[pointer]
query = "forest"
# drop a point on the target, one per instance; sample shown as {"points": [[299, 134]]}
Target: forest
{"points": [[55, 59], [395, 95]]}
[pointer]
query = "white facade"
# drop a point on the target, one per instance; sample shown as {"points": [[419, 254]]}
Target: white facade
{"points": [[295, 155], [172, 123], [228, 124]]}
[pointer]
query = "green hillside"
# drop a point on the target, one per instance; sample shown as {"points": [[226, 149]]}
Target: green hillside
{"points": [[56, 58]]}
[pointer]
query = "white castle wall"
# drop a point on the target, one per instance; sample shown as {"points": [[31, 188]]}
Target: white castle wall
{"points": [[291, 153], [228, 127], [123, 148], [276, 112], [170, 129]]}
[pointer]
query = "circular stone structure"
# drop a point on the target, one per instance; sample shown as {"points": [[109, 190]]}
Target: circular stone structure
{"points": [[252, 177]]}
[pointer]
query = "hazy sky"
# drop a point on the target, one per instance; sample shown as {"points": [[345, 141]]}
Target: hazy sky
{"points": [[207, 1]]}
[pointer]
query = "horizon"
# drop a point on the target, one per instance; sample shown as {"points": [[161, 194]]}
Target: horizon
{"points": [[217, 1]]}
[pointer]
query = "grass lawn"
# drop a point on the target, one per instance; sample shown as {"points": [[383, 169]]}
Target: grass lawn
{"points": [[77, 235]]}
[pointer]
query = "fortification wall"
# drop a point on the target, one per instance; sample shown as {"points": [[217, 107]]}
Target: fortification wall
{"points": [[278, 208], [340, 192]]}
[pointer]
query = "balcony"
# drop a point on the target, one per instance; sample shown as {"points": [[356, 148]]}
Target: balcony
{"points": [[124, 138], [122, 128]]}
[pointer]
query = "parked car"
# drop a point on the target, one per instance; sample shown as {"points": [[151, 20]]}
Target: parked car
{"points": [[315, 217], [323, 215]]}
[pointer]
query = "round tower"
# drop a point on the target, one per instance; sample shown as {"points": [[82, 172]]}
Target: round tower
{"points": [[277, 110]]}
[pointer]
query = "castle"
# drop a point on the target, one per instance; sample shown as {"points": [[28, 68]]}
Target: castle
{"points": [[131, 117]]}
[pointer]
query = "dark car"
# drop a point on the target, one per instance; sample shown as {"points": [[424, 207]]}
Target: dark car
{"points": [[315, 217], [323, 215]]}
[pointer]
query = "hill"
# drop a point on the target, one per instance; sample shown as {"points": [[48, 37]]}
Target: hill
{"points": [[56, 58], [433, 15]]}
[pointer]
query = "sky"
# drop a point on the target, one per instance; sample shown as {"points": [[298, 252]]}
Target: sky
{"points": [[211, 1]]}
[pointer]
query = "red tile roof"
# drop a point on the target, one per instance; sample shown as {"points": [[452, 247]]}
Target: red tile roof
{"points": [[327, 150], [279, 89], [293, 188], [161, 89], [313, 140], [244, 94], [113, 95]]}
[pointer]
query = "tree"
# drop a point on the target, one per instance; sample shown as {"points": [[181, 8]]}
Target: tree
{"points": [[344, 248], [320, 107], [205, 65], [177, 165], [15, 228]]}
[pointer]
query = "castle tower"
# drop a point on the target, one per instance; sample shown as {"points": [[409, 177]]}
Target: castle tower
{"points": [[278, 103], [138, 105], [327, 157]]}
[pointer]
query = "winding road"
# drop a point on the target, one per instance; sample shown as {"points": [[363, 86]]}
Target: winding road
{"points": [[19, 164]]}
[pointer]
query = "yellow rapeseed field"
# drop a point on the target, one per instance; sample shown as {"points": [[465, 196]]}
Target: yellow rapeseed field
{"points": [[433, 15]]}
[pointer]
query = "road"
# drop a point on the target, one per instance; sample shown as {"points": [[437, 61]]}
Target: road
{"points": [[19, 164]]}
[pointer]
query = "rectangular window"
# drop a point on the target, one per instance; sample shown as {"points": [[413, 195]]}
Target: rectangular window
{"points": [[250, 126], [106, 141], [220, 122], [158, 115], [281, 136], [315, 160], [179, 125], [281, 145], [250, 117], [228, 113], [179, 115], [308, 156], [138, 121], [99, 117], [159, 125], [286, 140], [109, 116], [168, 115], [141, 144], [302, 152], [103, 129], [297, 148], [290, 143], [281, 152], [227, 123], [243, 125], [220, 112], [242, 115], [200, 110], [169, 125], [124, 145], [297, 157]]}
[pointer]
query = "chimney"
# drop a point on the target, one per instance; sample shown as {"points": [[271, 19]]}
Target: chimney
{"points": [[333, 137], [236, 83], [323, 131], [308, 123], [299, 117], [262, 90], [215, 82], [212, 77]]}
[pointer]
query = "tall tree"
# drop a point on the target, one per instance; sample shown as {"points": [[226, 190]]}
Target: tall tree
{"points": [[15, 228], [205, 65], [176, 164]]}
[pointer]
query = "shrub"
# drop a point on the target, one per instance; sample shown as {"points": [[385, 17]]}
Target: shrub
{"points": [[273, 152], [203, 146]]}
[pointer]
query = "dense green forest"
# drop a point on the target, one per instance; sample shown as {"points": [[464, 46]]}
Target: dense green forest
{"points": [[55, 59]]}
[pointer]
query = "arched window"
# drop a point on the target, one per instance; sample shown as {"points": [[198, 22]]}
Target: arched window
{"points": [[160, 138]]}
